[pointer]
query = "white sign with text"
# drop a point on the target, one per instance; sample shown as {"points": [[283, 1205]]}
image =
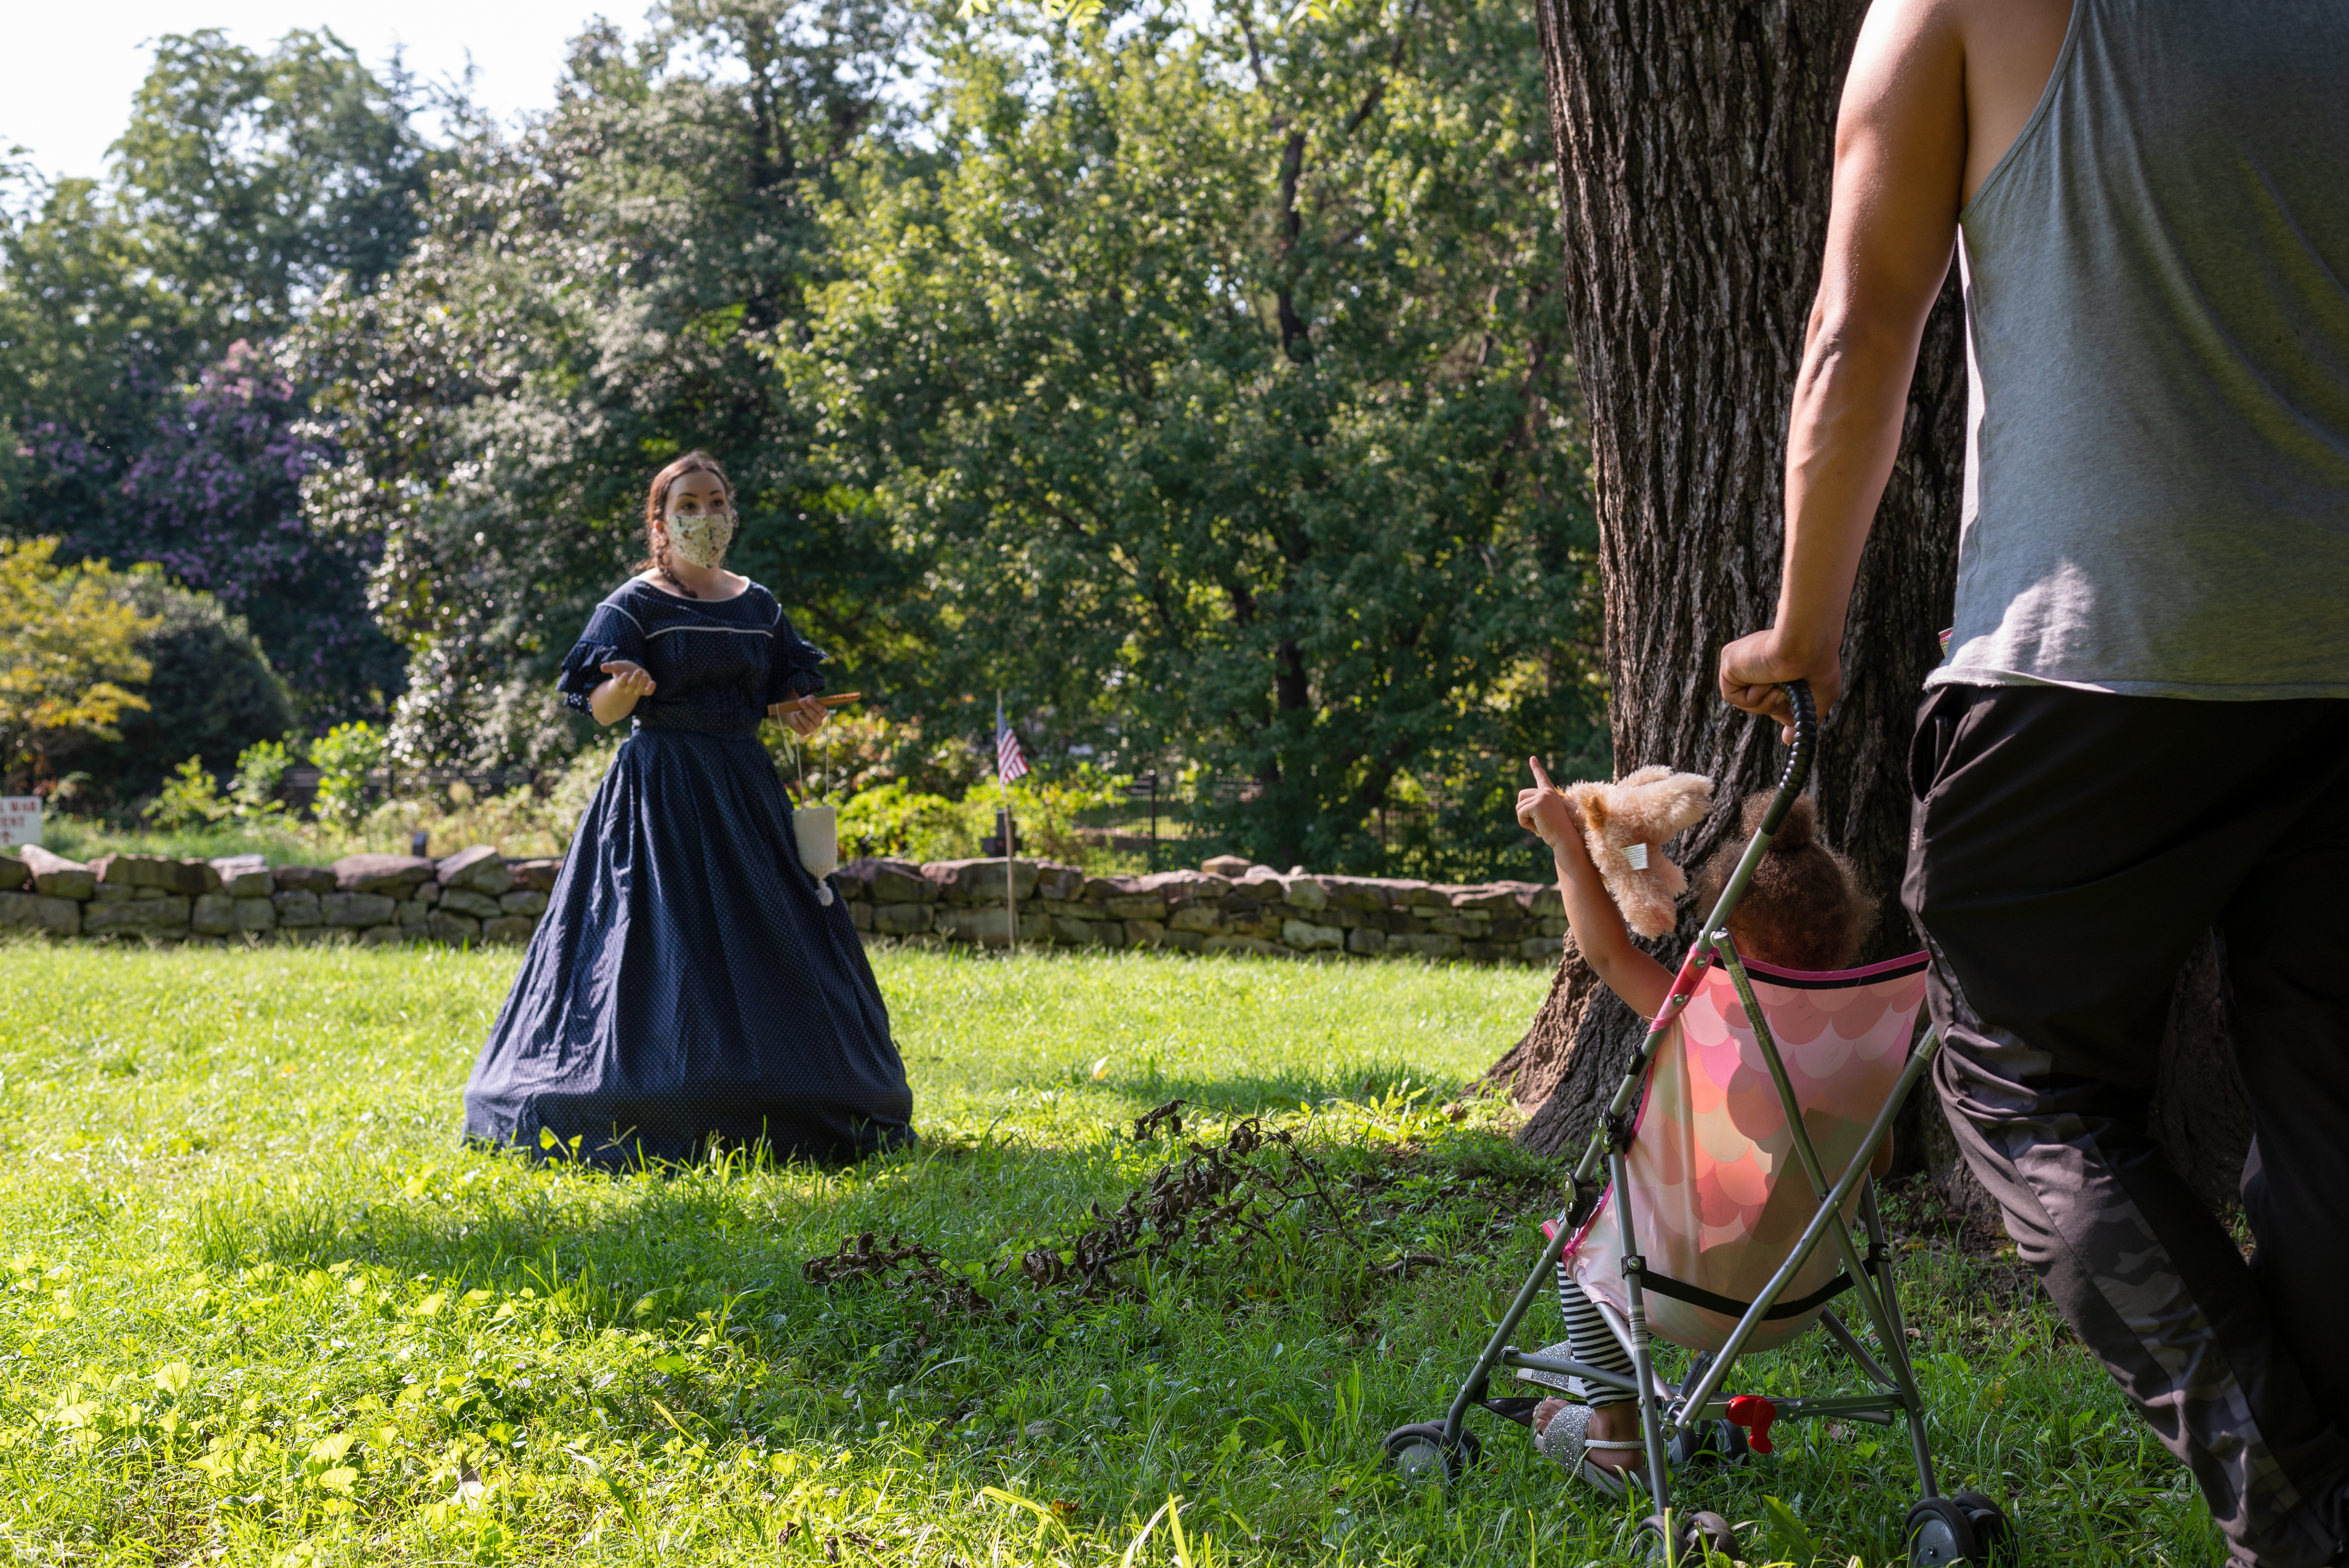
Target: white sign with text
{"points": [[20, 819]]}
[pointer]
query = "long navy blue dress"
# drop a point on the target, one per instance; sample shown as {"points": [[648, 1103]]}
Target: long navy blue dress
{"points": [[687, 985]]}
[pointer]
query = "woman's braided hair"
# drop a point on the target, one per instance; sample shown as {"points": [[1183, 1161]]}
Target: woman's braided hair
{"points": [[656, 506]]}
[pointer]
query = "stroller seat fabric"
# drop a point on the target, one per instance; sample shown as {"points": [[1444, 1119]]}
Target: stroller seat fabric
{"points": [[1717, 1193]]}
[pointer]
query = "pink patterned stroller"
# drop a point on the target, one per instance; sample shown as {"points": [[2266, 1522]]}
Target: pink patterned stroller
{"points": [[1738, 1207]]}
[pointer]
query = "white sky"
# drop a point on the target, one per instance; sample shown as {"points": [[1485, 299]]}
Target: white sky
{"points": [[73, 66]]}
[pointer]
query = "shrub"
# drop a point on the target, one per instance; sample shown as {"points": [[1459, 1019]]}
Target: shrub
{"points": [[1047, 810], [894, 819], [344, 757], [523, 822], [66, 640], [260, 773], [575, 786], [189, 798], [210, 693], [859, 749]]}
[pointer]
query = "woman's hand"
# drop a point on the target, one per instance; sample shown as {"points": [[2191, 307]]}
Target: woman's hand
{"points": [[612, 701], [1545, 812], [805, 715], [629, 678]]}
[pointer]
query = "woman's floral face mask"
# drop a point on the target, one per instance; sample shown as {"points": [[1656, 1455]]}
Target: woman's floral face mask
{"points": [[702, 538]]}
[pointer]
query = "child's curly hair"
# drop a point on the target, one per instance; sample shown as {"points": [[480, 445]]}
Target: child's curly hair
{"points": [[1804, 908]]}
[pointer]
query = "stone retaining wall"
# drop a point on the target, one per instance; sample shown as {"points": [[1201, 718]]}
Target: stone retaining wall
{"points": [[1225, 906], [475, 895], [478, 896]]}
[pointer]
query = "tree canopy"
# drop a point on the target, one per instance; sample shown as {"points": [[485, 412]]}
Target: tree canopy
{"points": [[68, 655], [1197, 375], [1217, 374], [586, 302], [152, 421]]}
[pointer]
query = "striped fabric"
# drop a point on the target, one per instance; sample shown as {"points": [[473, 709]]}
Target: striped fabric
{"points": [[1591, 1342]]}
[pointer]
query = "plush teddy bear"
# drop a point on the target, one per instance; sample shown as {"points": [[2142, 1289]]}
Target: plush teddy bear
{"points": [[1624, 826]]}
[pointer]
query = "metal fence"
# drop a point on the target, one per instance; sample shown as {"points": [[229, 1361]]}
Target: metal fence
{"points": [[1157, 827], [1161, 827], [299, 786]]}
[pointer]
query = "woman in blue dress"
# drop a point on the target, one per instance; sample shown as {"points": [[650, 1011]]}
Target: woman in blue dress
{"points": [[691, 986]]}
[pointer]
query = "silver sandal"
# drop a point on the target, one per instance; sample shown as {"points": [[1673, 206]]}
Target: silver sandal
{"points": [[1567, 1443]]}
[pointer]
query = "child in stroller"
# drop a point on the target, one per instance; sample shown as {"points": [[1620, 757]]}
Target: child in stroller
{"points": [[1803, 908], [1738, 1205]]}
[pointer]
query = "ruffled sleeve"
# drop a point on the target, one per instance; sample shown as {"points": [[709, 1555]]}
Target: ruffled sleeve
{"points": [[612, 634], [793, 666]]}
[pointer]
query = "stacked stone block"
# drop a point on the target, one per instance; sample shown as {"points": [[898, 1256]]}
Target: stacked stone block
{"points": [[474, 896], [477, 896], [1225, 906]]}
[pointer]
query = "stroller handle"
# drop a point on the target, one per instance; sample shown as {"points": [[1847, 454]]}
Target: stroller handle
{"points": [[1798, 761]]}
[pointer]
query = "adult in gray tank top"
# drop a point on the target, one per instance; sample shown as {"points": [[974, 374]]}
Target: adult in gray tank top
{"points": [[2141, 729]]}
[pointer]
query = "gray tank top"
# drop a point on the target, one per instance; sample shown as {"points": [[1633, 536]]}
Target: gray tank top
{"points": [[2157, 281]]}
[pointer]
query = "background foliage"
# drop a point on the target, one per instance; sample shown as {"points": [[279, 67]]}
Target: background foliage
{"points": [[69, 649], [1193, 375], [1217, 371], [150, 425], [211, 694], [584, 303]]}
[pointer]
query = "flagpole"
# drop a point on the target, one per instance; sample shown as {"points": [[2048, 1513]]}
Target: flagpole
{"points": [[1011, 899]]}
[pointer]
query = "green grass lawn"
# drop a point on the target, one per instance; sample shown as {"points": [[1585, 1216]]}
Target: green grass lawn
{"points": [[260, 1306]]}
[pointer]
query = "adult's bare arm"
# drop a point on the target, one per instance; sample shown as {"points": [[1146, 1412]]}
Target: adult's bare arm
{"points": [[1900, 164]]}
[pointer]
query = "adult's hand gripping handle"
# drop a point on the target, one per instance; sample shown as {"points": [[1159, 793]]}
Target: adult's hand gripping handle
{"points": [[1798, 761]]}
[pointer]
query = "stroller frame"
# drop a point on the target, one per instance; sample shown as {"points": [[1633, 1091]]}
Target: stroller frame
{"points": [[1938, 1531]]}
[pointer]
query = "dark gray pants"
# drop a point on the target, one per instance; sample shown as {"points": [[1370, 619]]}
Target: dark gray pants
{"points": [[2068, 850]]}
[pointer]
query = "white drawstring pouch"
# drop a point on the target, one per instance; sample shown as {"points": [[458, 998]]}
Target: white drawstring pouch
{"points": [[817, 831]]}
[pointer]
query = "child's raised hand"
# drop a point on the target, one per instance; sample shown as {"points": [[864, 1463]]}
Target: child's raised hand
{"points": [[1544, 811]]}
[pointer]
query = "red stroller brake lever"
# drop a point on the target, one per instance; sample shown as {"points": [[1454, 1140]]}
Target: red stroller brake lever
{"points": [[1754, 1413]]}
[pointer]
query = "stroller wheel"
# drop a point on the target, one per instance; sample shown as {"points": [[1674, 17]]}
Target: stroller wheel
{"points": [[1699, 1533], [1417, 1452], [1940, 1534], [1994, 1536], [1711, 1443]]}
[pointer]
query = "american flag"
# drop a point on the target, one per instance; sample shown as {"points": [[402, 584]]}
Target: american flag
{"points": [[1008, 764]]}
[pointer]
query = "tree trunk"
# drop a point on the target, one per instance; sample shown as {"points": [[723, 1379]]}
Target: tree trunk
{"points": [[1695, 147]]}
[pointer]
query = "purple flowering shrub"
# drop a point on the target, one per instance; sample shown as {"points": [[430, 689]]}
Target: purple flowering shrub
{"points": [[214, 496]]}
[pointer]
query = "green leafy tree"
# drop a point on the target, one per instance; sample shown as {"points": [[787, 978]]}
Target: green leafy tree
{"points": [[210, 693], [1216, 371], [255, 180], [91, 338], [69, 653], [189, 798], [142, 415], [588, 300]]}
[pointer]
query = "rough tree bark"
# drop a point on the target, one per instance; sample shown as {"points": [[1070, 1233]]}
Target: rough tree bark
{"points": [[1695, 143]]}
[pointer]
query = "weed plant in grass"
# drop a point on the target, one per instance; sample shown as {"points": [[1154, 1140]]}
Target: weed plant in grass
{"points": [[260, 1306]]}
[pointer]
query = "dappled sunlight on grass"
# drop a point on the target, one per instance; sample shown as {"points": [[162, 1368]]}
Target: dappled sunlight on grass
{"points": [[260, 1302]]}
